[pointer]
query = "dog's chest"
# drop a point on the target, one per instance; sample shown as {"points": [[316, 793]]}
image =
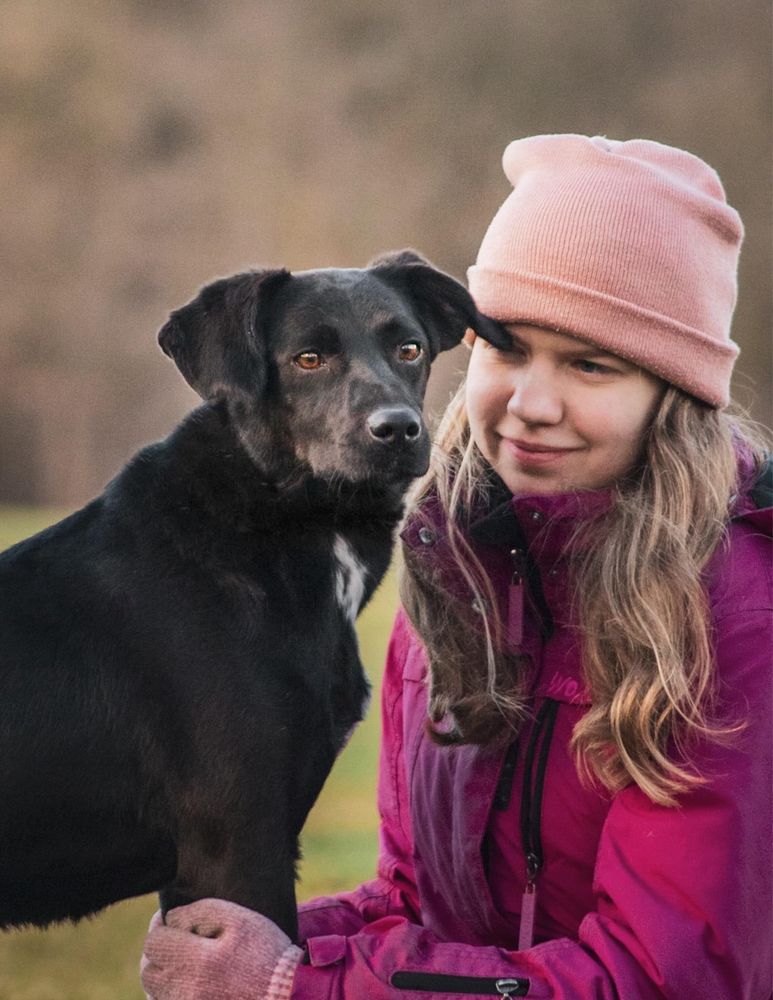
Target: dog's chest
{"points": [[350, 575]]}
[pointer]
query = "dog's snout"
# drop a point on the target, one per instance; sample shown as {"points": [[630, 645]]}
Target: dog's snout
{"points": [[394, 425]]}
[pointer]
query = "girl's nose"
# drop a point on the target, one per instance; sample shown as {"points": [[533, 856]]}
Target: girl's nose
{"points": [[536, 398]]}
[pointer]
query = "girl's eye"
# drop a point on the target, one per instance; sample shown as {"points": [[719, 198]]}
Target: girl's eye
{"points": [[410, 351], [308, 360], [593, 367]]}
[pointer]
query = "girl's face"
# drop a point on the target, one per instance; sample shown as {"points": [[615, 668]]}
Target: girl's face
{"points": [[556, 413]]}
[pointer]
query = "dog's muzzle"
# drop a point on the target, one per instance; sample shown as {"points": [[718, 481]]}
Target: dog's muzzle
{"points": [[399, 442], [395, 426]]}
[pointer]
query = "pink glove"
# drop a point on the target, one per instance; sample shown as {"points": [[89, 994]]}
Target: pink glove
{"points": [[214, 950]]}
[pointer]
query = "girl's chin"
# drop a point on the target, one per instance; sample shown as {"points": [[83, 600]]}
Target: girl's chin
{"points": [[542, 481], [558, 478]]}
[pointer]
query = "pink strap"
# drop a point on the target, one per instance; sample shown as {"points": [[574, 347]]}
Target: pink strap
{"points": [[526, 931], [515, 614]]}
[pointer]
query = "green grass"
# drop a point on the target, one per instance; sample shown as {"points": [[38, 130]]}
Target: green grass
{"points": [[98, 959]]}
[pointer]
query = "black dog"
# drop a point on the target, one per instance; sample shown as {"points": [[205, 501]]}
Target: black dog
{"points": [[178, 661]]}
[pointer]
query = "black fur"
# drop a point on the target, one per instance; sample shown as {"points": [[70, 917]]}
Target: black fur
{"points": [[177, 670]]}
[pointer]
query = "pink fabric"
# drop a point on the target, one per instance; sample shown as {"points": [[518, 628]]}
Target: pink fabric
{"points": [[635, 900], [630, 245]]}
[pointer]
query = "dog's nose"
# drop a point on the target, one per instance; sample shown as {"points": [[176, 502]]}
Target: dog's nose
{"points": [[394, 425]]}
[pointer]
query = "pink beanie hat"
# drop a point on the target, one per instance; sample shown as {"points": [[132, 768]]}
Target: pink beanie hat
{"points": [[629, 245]]}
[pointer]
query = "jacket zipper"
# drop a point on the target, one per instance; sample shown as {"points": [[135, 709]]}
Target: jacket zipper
{"points": [[531, 814], [438, 982], [504, 787], [515, 598]]}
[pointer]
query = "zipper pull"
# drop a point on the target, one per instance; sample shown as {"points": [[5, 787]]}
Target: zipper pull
{"points": [[528, 906], [509, 987], [528, 903], [515, 599]]}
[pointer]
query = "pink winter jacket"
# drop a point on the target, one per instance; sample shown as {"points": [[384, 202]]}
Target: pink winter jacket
{"points": [[633, 901]]}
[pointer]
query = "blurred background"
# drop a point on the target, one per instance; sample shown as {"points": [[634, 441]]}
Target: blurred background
{"points": [[148, 146]]}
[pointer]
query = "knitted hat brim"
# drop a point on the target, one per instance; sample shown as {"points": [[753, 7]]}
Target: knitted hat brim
{"points": [[638, 335]]}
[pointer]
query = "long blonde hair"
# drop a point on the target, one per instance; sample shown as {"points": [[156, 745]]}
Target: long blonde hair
{"points": [[639, 598]]}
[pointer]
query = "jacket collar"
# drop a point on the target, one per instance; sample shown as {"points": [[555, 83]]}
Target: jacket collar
{"points": [[753, 501], [546, 524]]}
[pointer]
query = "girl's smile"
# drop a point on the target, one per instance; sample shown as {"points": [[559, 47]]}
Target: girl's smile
{"points": [[556, 413], [535, 454]]}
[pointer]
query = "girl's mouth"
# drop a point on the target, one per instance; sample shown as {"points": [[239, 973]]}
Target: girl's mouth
{"points": [[528, 453]]}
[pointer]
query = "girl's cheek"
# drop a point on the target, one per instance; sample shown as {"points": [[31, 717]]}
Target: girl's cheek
{"points": [[625, 440], [480, 391], [471, 402]]}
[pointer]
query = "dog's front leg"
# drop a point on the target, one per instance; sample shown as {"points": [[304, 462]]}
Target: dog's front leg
{"points": [[251, 863]]}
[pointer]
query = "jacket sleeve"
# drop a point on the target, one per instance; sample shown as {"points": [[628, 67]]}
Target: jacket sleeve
{"points": [[683, 894], [393, 891]]}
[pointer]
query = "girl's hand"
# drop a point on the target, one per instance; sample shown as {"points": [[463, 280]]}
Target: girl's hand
{"points": [[214, 950]]}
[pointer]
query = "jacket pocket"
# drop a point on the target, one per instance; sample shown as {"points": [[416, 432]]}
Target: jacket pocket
{"points": [[438, 982]]}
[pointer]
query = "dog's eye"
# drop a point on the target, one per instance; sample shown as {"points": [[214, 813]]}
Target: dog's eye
{"points": [[308, 360], [410, 351]]}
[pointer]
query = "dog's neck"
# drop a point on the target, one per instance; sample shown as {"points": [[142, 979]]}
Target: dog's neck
{"points": [[204, 461]]}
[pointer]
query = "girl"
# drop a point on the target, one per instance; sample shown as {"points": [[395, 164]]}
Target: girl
{"points": [[576, 762]]}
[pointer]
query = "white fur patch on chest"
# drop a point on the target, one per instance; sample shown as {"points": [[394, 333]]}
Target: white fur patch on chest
{"points": [[349, 577]]}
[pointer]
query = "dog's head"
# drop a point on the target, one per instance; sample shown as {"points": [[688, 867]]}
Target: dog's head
{"points": [[326, 370]]}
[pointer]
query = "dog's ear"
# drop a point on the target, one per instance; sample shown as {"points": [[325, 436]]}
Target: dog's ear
{"points": [[443, 305], [216, 339]]}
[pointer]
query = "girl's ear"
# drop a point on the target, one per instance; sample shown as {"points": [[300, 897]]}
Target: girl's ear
{"points": [[218, 339], [443, 305]]}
